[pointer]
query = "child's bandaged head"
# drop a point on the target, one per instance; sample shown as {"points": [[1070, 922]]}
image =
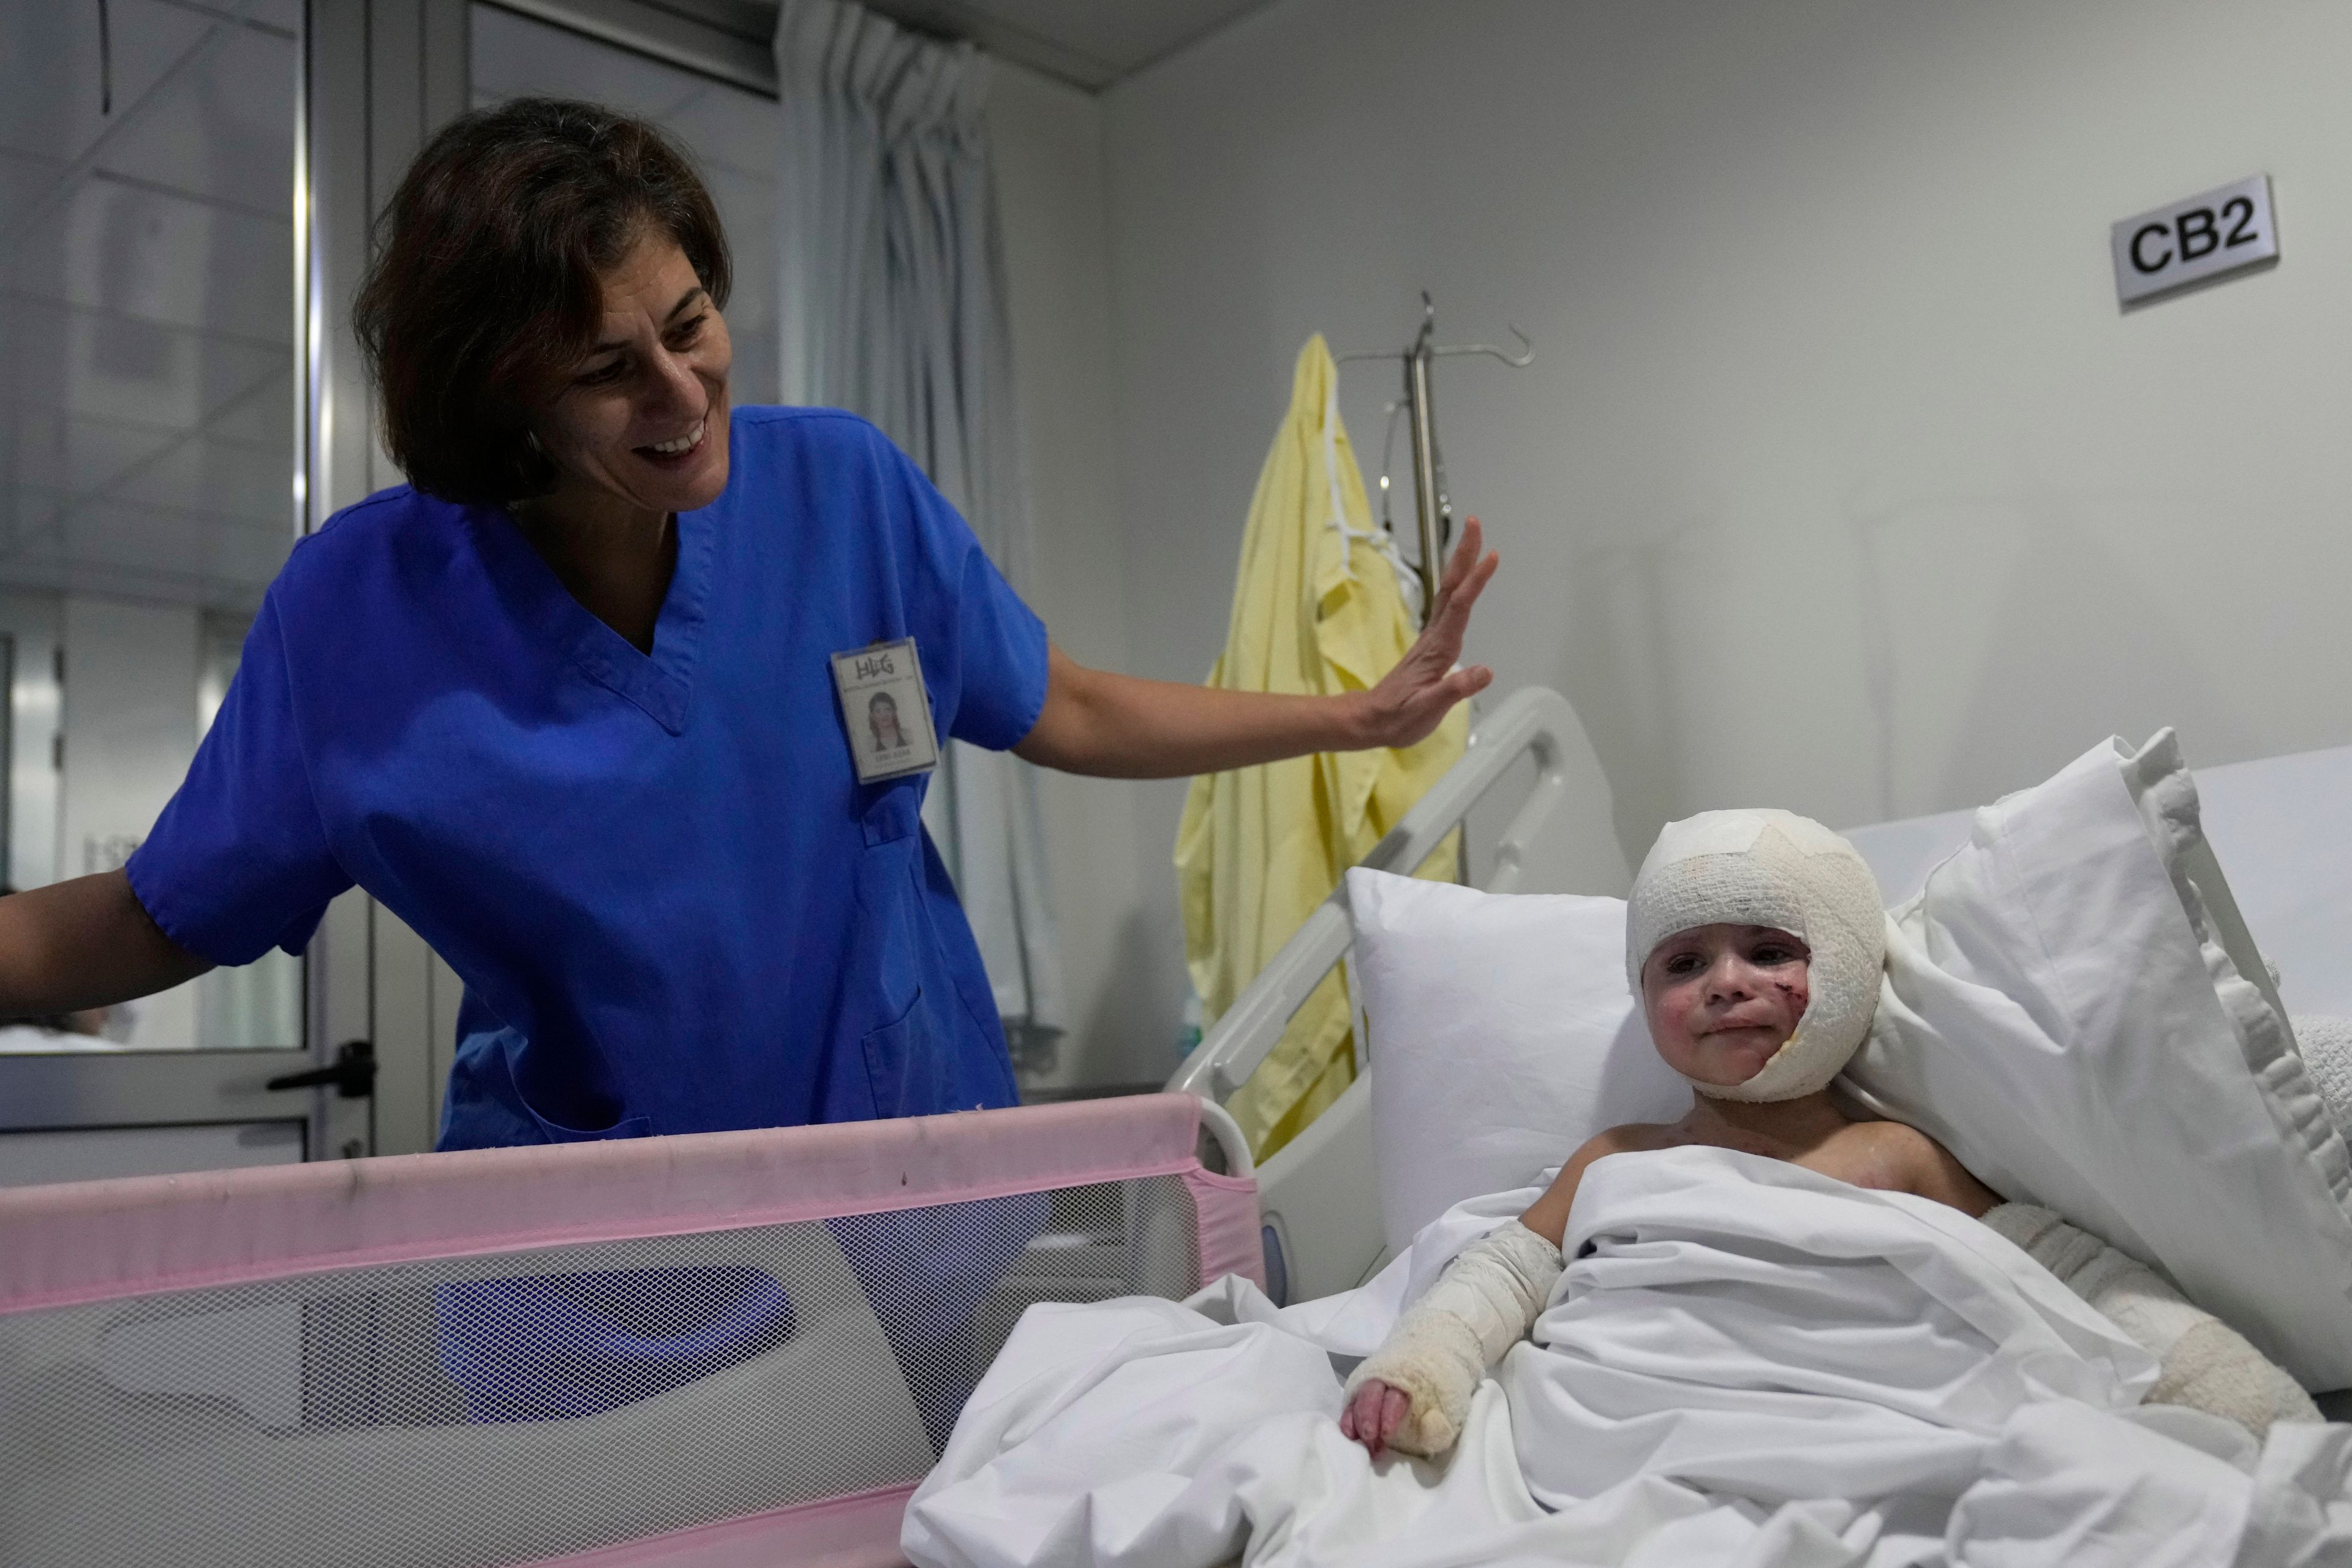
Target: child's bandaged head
{"points": [[1765, 867]]}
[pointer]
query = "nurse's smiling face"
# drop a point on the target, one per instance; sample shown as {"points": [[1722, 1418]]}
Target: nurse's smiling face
{"points": [[640, 419]]}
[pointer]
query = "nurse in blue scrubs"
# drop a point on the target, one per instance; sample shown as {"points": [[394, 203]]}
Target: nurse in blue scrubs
{"points": [[567, 701]]}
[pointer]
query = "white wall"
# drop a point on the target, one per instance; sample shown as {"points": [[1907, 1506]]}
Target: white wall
{"points": [[1047, 139], [1839, 482]]}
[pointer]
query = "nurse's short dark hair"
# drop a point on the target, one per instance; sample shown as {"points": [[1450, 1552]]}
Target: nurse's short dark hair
{"points": [[485, 282]]}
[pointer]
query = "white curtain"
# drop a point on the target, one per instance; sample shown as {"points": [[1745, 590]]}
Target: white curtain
{"points": [[893, 306]]}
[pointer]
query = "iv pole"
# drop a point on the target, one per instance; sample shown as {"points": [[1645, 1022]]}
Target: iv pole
{"points": [[1432, 507]]}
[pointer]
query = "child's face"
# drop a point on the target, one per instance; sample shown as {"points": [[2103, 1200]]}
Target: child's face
{"points": [[1722, 999]]}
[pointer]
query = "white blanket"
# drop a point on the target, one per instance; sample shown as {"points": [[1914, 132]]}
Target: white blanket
{"points": [[1745, 1363]]}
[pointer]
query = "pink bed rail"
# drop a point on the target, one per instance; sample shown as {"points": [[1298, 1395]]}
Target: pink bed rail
{"points": [[89, 1241], [856, 1531], [72, 1250]]}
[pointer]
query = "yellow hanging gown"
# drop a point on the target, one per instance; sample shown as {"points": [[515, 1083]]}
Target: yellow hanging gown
{"points": [[1317, 609]]}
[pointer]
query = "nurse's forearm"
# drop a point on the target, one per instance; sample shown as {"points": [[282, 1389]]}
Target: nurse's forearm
{"points": [[1118, 726], [88, 943], [1121, 726]]}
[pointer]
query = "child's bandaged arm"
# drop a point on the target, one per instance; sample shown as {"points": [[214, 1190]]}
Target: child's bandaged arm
{"points": [[1478, 1309], [1485, 1303], [2203, 1362]]}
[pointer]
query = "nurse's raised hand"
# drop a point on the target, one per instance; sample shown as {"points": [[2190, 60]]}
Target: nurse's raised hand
{"points": [[1118, 726], [1424, 686]]}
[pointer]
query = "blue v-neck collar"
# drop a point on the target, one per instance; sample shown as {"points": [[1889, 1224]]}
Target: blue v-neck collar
{"points": [[661, 683]]}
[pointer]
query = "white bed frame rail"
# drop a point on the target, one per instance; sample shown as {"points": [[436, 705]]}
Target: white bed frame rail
{"points": [[1319, 1195]]}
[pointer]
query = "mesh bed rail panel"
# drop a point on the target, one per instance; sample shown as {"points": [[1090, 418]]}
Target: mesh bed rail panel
{"points": [[753, 1322]]}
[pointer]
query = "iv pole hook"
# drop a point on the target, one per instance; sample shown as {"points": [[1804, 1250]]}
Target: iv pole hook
{"points": [[1433, 511], [1516, 361]]}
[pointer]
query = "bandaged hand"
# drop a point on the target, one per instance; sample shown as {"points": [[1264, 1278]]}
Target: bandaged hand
{"points": [[1413, 1393], [2203, 1362]]}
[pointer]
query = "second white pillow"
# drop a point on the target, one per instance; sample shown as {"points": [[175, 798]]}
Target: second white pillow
{"points": [[1503, 1037], [2074, 1009]]}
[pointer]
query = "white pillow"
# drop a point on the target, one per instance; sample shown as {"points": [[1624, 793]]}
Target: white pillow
{"points": [[1501, 1037], [2073, 1006], [2281, 823]]}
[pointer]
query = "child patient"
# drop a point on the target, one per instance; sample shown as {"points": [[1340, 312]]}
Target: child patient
{"points": [[1755, 940]]}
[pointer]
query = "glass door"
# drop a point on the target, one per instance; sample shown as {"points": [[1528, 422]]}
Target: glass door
{"points": [[150, 448]]}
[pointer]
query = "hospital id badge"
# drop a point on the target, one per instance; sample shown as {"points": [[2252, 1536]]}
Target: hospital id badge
{"points": [[887, 710]]}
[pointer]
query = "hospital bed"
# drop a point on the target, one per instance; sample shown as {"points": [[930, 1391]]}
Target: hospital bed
{"points": [[2282, 825], [1322, 1231], [746, 1348]]}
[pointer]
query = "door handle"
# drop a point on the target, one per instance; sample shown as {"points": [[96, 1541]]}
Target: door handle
{"points": [[352, 1072]]}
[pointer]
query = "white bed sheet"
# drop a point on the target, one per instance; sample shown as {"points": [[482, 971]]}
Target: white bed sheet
{"points": [[1749, 1364]]}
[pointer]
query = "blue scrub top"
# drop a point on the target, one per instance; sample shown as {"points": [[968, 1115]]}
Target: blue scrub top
{"points": [[674, 907]]}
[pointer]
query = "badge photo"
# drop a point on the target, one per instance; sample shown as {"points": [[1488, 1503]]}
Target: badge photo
{"points": [[886, 711]]}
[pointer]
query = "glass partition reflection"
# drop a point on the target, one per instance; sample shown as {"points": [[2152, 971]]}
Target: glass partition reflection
{"points": [[147, 455]]}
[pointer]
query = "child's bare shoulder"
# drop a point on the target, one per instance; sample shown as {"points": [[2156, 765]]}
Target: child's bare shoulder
{"points": [[1896, 1145], [1897, 1157], [1633, 1138], [1547, 1216], [1627, 1139]]}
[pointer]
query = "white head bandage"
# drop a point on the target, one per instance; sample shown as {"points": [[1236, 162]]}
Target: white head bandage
{"points": [[1765, 868]]}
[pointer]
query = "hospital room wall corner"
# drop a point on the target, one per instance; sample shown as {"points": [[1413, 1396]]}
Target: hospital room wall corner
{"points": [[1823, 311]]}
